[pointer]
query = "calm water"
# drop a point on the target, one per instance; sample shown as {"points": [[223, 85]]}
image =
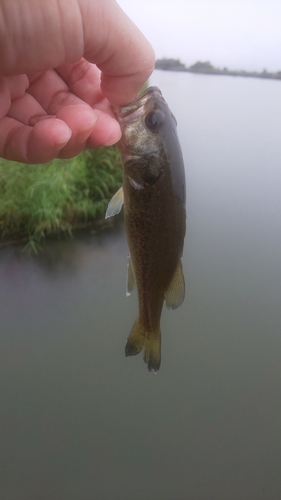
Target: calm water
{"points": [[78, 420]]}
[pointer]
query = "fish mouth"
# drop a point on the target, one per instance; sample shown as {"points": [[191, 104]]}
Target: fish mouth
{"points": [[136, 106]]}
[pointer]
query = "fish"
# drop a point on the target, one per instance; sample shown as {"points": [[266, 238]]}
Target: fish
{"points": [[154, 197]]}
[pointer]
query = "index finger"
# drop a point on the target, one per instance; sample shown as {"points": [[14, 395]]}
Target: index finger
{"points": [[122, 53]]}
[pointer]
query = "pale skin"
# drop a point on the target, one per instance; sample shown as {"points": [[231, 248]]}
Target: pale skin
{"points": [[63, 64]]}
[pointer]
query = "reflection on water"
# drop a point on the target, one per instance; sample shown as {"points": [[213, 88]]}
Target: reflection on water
{"points": [[79, 420]]}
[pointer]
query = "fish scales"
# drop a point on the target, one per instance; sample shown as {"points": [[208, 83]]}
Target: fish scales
{"points": [[154, 210]]}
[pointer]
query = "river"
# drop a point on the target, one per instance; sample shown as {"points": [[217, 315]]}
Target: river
{"points": [[78, 420]]}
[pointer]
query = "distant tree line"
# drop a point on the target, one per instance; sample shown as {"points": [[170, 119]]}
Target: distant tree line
{"points": [[170, 64], [207, 68]]}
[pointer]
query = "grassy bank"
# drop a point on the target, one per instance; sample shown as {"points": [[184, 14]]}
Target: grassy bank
{"points": [[41, 200]]}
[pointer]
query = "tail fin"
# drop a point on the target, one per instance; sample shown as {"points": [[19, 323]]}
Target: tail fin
{"points": [[150, 341]]}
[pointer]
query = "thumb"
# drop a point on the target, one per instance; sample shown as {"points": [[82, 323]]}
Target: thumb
{"points": [[123, 54]]}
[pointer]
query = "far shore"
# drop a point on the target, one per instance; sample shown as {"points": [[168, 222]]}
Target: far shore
{"points": [[206, 68]]}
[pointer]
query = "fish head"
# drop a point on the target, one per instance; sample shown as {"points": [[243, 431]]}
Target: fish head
{"points": [[149, 145], [143, 123]]}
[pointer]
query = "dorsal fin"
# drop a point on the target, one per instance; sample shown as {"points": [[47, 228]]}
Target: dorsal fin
{"points": [[174, 295]]}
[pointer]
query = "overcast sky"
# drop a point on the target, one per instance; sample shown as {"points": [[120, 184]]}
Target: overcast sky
{"points": [[238, 34]]}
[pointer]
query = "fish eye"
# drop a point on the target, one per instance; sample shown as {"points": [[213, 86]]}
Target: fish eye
{"points": [[154, 119]]}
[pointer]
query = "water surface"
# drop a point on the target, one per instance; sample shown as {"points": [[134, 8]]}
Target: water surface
{"points": [[79, 421]]}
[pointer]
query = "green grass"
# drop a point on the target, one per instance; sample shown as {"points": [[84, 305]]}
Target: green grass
{"points": [[41, 200]]}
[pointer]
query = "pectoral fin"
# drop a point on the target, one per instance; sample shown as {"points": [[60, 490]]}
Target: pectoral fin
{"points": [[115, 204], [174, 295], [131, 282]]}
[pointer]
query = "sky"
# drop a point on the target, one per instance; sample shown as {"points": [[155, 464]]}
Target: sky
{"points": [[237, 34]]}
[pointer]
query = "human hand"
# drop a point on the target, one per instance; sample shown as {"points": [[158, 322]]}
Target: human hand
{"points": [[62, 65]]}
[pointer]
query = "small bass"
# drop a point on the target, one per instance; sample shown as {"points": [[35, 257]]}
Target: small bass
{"points": [[153, 194]]}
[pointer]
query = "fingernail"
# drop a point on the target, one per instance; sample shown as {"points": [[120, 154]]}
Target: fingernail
{"points": [[64, 136], [89, 123], [113, 139]]}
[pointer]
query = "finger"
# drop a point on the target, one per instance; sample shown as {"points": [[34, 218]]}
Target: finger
{"points": [[79, 116], [70, 84], [38, 144], [51, 92], [54, 91], [119, 49], [81, 119], [26, 110], [106, 131], [83, 79], [5, 97], [86, 132], [12, 87]]}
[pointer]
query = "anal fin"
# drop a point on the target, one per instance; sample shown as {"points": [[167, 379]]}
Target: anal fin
{"points": [[174, 295]]}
